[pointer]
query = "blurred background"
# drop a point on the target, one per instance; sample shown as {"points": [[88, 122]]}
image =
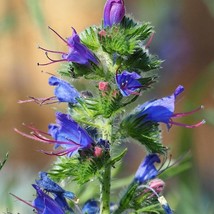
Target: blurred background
{"points": [[183, 39]]}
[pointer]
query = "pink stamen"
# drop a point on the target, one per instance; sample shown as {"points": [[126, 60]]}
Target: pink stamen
{"points": [[188, 126], [60, 153], [133, 92], [150, 40], [50, 51], [58, 35], [29, 136], [38, 137], [52, 60], [35, 129], [40, 101], [187, 113], [29, 204], [49, 141], [49, 63]]}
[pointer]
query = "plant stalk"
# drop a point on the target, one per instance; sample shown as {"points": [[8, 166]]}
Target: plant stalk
{"points": [[106, 175]]}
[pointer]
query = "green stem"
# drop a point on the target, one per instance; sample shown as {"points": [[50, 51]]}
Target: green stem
{"points": [[105, 191], [106, 175]]}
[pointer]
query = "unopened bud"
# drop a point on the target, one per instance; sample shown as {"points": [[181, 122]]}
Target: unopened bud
{"points": [[157, 185], [98, 151], [103, 86]]}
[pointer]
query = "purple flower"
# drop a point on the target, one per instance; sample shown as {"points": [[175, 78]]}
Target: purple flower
{"points": [[114, 11], [77, 52], [162, 110], [66, 133], [64, 92], [127, 83], [147, 169]]}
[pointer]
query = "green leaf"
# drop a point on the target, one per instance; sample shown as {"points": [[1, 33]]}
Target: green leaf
{"points": [[89, 37], [125, 38], [79, 169], [118, 157], [2, 163], [146, 133], [141, 60]]}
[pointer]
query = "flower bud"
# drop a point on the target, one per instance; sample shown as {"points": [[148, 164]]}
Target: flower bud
{"points": [[103, 86], [114, 12], [157, 185], [98, 151]]}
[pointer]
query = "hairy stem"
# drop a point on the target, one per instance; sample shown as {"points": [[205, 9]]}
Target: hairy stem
{"points": [[106, 175]]}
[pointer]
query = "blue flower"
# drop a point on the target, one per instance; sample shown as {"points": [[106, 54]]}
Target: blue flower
{"points": [[162, 110], [58, 192], [114, 11], [66, 133], [91, 207], [64, 92], [127, 83], [147, 169], [69, 134], [44, 204], [77, 53]]}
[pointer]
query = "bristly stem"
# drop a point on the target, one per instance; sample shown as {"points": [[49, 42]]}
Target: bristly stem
{"points": [[106, 175]]}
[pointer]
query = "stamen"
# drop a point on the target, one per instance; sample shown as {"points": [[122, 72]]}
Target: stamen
{"points": [[60, 153], [29, 204], [50, 51], [187, 113], [49, 63], [58, 35], [40, 101], [35, 129], [150, 40], [150, 188], [29, 136], [49, 141], [188, 126], [52, 60], [134, 92]]}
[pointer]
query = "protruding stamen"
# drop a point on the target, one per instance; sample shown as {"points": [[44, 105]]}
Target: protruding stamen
{"points": [[134, 92], [58, 35], [188, 126], [61, 152], [54, 61], [50, 51], [150, 40], [29, 204], [188, 113], [40, 101]]}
